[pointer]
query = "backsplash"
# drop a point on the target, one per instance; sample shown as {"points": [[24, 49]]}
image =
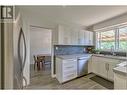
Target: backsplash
{"points": [[69, 49], [116, 53]]}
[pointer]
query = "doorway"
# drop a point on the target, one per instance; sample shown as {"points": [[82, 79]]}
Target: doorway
{"points": [[40, 46]]}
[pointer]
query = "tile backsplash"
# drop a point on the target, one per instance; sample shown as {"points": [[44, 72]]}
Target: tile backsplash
{"points": [[69, 49]]}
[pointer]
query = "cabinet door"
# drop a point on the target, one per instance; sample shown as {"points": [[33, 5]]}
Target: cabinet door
{"points": [[103, 69], [86, 38], [60, 35], [95, 65], [81, 38], [110, 72], [90, 69], [74, 37], [112, 64], [90, 38], [88, 35], [67, 36], [99, 66], [120, 82], [64, 35]]}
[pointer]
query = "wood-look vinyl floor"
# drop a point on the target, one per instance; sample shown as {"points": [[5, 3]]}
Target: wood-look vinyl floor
{"points": [[43, 80]]}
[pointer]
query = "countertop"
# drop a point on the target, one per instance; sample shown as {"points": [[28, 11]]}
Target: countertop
{"points": [[110, 56], [73, 56], [121, 68]]}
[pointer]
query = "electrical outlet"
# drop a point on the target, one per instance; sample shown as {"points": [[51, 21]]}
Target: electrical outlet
{"points": [[57, 48]]}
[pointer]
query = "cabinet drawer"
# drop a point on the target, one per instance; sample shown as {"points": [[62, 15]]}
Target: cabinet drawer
{"points": [[69, 66], [69, 76], [69, 61], [68, 72]]}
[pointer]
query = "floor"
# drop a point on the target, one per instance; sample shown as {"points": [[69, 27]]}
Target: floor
{"points": [[42, 80]]}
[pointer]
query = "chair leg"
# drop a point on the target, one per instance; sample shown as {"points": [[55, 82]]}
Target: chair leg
{"points": [[34, 65], [43, 67], [38, 65]]}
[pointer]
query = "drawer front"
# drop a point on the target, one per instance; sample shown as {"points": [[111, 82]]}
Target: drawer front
{"points": [[69, 67], [68, 72], [69, 76], [70, 64], [69, 60]]}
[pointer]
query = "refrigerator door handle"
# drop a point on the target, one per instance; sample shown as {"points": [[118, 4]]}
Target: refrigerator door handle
{"points": [[22, 61]]}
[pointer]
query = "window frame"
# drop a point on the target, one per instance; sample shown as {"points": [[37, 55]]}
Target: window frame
{"points": [[117, 41]]}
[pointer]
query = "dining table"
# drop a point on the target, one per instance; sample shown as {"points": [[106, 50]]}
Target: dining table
{"points": [[41, 60]]}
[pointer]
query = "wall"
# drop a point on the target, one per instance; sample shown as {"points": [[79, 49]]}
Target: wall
{"points": [[8, 56], [40, 41], [110, 22], [0, 52]]}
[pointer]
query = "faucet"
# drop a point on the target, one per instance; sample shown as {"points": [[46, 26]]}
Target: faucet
{"points": [[112, 50]]}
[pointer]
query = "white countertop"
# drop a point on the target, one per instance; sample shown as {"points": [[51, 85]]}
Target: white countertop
{"points": [[73, 56], [121, 68], [111, 56]]}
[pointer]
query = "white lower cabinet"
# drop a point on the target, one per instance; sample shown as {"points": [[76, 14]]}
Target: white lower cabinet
{"points": [[66, 69], [103, 66], [99, 66], [120, 82]]}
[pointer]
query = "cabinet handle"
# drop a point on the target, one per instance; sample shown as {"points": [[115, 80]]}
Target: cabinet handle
{"points": [[70, 75], [106, 66], [70, 67]]}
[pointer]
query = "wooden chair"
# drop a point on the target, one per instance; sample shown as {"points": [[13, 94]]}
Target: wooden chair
{"points": [[41, 59]]}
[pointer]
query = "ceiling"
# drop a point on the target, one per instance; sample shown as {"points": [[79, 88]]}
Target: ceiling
{"points": [[82, 15]]}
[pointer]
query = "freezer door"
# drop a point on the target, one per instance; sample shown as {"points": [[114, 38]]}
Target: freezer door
{"points": [[82, 67]]}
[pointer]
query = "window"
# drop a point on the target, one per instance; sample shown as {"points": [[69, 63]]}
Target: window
{"points": [[123, 38], [115, 38], [106, 40]]}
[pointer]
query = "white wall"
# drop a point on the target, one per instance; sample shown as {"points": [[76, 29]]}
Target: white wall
{"points": [[8, 55], [114, 21], [40, 41]]}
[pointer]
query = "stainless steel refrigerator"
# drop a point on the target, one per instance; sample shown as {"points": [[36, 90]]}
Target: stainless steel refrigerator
{"points": [[19, 46]]}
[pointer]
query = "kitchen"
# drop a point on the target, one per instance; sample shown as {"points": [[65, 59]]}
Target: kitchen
{"points": [[87, 48]]}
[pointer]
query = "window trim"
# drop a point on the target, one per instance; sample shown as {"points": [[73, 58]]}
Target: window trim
{"points": [[116, 30]]}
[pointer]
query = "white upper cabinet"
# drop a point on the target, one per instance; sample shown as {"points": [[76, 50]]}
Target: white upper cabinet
{"points": [[85, 37], [73, 36], [81, 38], [67, 35], [88, 37]]}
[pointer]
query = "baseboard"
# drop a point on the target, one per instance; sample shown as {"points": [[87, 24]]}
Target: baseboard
{"points": [[54, 76]]}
